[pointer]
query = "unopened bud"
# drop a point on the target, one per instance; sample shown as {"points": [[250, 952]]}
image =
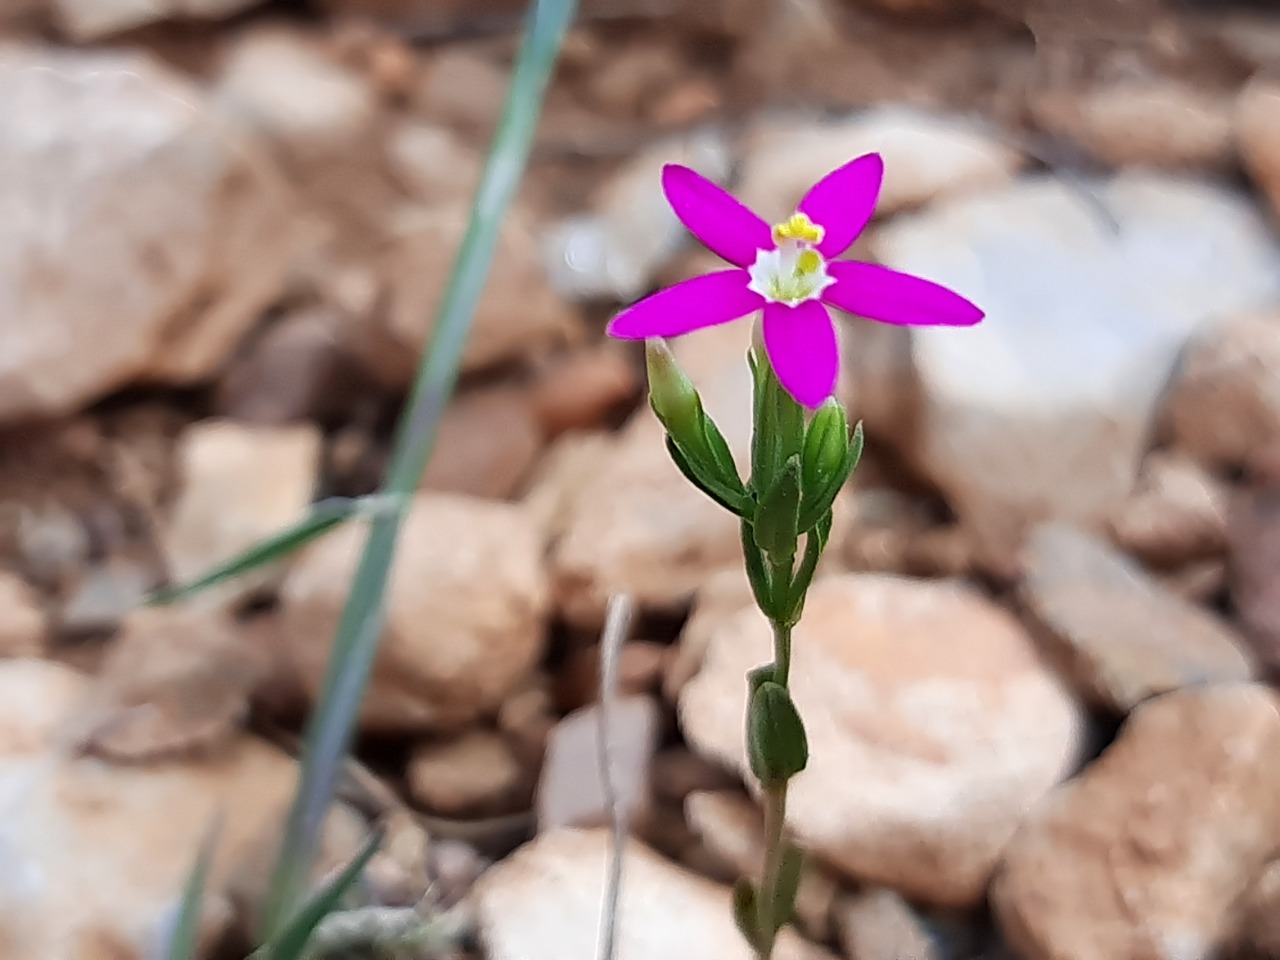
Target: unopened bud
{"points": [[671, 393], [826, 447]]}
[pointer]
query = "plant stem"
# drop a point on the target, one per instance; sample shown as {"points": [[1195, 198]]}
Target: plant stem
{"points": [[775, 809]]}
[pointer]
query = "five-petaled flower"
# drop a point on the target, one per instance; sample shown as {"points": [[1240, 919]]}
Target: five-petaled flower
{"points": [[790, 272]]}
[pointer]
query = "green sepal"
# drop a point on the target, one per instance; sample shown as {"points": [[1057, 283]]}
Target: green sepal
{"points": [[775, 524], [726, 498], [777, 747], [778, 432], [757, 571], [746, 913]]}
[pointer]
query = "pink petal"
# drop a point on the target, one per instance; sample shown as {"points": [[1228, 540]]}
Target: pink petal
{"points": [[721, 222], [878, 293], [701, 302], [843, 202], [801, 343]]}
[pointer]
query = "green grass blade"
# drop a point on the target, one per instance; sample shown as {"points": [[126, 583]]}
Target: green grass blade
{"points": [[324, 516], [330, 730], [184, 937], [291, 941]]}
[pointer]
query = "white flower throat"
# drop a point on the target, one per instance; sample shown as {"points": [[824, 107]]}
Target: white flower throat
{"points": [[794, 271]]}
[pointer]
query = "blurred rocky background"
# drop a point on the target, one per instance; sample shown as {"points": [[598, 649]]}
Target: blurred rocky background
{"points": [[1037, 668]]}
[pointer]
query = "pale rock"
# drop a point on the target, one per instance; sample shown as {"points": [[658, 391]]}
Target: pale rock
{"points": [[731, 827], [933, 728], [1148, 852], [176, 680], [926, 156], [487, 442], [725, 593], [102, 595], [140, 238], [639, 668], [462, 89], [239, 484], [615, 250], [86, 20], [472, 775], [877, 924], [1257, 125], [1155, 123], [1043, 410], [636, 525], [1224, 402], [565, 469], [23, 623], [571, 792], [1254, 532], [1176, 515], [581, 390], [1118, 634], [519, 312], [94, 856], [432, 161], [467, 605], [543, 903]]}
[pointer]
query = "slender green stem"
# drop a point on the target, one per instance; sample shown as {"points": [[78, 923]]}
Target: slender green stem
{"points": [[355, 645], [775, 808]]}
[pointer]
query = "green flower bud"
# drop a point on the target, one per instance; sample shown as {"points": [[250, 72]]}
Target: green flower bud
{"points": [[777, 747], [671, 393], [826, 447]]}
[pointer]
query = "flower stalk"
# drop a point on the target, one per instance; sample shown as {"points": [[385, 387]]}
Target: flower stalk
{"points": [[798, 466]]}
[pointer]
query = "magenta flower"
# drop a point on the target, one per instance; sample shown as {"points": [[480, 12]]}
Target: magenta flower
{"points": [[790, 271]]}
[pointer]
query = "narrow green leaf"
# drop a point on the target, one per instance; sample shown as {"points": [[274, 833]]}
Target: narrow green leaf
{"points": [[709, 486], [757, 572], [355, 646], [777, 513], [817, 503], [290, 943], [790, 871], [183, 939], [324, 516]]}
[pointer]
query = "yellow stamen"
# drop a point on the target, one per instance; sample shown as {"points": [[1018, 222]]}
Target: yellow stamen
{"points": [[799, 227], [809, 261]]}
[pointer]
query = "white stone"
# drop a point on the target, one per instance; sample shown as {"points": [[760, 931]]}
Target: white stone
{"points": [[139, 237], [1043, 410], [87, 20]]}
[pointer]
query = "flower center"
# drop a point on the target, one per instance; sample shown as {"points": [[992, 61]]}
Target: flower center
{"points": [[793, 271]]}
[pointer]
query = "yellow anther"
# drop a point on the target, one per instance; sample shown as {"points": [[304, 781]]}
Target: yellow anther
{"points": [[799, 227], [809, 261]]}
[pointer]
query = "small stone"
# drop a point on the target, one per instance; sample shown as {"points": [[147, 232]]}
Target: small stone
{"points": [[640, 667], [1257, 125], [924, 753], [1157, 841], [462, 89], [433, 162], [287, 375], [119, 840], [731, 827], [1254, 531], [486, 444], [565, 470], [1120, 636], [86, 20], [23, 624], [1177, 514], [467, 605], [103, 595], [471, 776], [724, 594], [526, 718], [678, 772], [1056, 430], [878, 924], [616, 250], [570, 793], [543, 903], [141, 264], [519, 312], [1224, 402], [926, 156], [239, 484], [176, 680], [1153, 123], [583, 389]]}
